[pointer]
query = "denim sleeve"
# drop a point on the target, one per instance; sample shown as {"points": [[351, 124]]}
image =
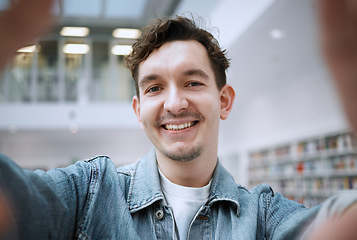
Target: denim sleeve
{"points": [[45, 205], [284, 218]]}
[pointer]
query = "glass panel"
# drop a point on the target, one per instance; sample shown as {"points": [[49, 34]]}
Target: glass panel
{"points": [[74, 69], [133, 9], [47, 72], [100, 72], [126, 89], [20, 77], [111, 83], [82, 8]]}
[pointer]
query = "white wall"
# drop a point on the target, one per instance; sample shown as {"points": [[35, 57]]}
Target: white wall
{"points": [[303, 108], [39, 135], [48, 149]]}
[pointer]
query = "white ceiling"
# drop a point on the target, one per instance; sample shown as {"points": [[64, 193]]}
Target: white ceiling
{"points": [[261, 64]]}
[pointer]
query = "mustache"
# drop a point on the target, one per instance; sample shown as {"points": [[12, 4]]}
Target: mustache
{"points": [[171, 116]]}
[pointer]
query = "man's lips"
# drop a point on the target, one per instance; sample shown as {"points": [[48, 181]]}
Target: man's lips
{"points": [[178, 127], [172, 122]]}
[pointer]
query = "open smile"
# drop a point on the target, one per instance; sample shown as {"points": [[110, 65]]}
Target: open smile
{"points": [[178, 127]]}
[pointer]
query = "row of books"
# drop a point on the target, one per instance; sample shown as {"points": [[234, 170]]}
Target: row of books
{"points": [[315, 186], [319, 186], [313, 191], [324, 166], [337, 142], [316, 191]]}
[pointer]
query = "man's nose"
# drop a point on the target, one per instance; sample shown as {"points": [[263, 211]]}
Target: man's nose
{"points": [[175, 101]]}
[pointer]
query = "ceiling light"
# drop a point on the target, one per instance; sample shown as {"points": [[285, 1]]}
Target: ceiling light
{"points": [[277, 34], [126, 33], [75, 31], [121, 49], [28, 49], [76, 48]]}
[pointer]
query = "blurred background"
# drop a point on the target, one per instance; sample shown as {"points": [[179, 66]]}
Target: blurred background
{"points": [[68, 97]]}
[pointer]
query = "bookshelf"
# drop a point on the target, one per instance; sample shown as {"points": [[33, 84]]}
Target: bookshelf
{"points": [[308, 170]]}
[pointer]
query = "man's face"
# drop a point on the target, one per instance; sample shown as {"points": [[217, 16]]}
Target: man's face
{"points": [[180, 105]]}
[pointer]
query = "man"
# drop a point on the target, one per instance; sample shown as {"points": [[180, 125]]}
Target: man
{"points": [[178, 190]]}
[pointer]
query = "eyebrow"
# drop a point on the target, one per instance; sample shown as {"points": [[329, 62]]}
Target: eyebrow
{"points": [[196, 72], [148, 78]]}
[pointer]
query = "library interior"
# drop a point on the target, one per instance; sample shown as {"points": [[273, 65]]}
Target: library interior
{"points": [[67, 97]]}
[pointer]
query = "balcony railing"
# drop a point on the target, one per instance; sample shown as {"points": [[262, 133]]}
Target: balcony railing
{"points": [[48, 75]]}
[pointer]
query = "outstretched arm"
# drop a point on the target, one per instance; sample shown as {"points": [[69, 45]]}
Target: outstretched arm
{"points": [[338, 20], [338, 24], [341, 227], [22, 24]]}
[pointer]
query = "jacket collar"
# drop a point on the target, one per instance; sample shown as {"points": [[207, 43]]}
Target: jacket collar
{"points": [[223, 188], [145, 188]]}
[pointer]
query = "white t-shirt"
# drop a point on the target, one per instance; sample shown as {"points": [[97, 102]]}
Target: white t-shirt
{"points": [[184, 201]]}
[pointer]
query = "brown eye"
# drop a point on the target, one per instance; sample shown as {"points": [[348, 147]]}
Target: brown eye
{"points": [[154, 89], [194, 84]]}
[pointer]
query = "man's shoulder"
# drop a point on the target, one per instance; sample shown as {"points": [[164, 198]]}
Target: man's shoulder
{"points": [[256, 192], [262, 188], [97, 163], [128, 169], [99, 159], [105, 162]]}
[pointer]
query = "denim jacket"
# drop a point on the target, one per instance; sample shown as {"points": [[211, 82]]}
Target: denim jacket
{"points": [[95, 200]]}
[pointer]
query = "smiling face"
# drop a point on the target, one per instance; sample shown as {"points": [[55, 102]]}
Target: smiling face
{"points": [[180, 105]]}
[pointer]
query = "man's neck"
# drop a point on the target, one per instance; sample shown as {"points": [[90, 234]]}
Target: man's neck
{"points": [[194, 173]]}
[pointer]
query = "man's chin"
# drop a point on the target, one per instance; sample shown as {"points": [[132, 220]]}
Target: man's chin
{"points": [[184, 155]]}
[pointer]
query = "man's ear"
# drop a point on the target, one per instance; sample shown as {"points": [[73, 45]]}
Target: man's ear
{"points": [[136, 108], [227, 99]]}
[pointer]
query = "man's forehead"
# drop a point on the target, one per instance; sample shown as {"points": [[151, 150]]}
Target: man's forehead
{"points": [[188, 55], [187, 73]]}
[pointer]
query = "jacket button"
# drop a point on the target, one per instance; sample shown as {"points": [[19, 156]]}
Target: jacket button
{"points": [[159, 214]]}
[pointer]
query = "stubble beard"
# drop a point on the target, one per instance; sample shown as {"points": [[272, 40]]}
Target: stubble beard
{"points": [[183, 155]]}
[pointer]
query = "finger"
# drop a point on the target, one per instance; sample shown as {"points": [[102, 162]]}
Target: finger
{"points": [[352, 23], [27, 19], [341, 227], [352, 9], [338, 35], [333, 17], [323, 232], [5, 216], [22, 24]]}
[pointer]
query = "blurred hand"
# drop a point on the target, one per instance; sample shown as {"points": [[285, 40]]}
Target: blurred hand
{"points": [[22, 24], [342, 227], [338, 19], [5, 217]]}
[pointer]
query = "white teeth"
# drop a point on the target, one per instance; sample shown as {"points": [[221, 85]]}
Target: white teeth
{"points": [[178, 127]]}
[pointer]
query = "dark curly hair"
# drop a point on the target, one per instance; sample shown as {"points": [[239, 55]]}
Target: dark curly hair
{"points": [[161, 31]]}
